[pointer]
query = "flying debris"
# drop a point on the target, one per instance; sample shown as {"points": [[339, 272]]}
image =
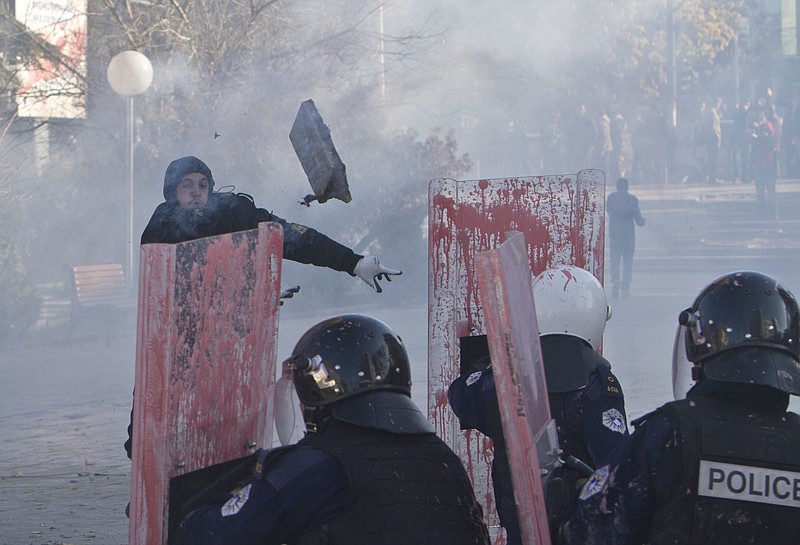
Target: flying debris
{"points": [[312, 142]]}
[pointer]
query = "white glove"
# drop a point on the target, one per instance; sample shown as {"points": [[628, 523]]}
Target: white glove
{"points": [[370, 270]]}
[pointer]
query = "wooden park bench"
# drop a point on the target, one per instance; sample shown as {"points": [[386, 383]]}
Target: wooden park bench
{"points": [[99, 292]]}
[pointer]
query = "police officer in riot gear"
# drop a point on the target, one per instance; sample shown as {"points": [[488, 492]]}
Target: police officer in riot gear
{"points": [[369, 470], [586, 399], [722, 465]]}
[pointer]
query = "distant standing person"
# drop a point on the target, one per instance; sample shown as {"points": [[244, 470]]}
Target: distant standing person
{"points": [[624, 215], [581, 136], [764, 163], [712, 137]]}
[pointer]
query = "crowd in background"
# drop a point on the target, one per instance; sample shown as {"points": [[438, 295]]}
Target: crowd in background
{"points": [[715, 141]]}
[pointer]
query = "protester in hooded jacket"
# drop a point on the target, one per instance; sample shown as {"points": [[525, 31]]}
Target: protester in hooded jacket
{"points": [[192, 210]]}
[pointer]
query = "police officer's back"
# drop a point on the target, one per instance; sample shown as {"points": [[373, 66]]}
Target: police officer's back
{"points": [[370, 470], [585, 397], [723, 465]]}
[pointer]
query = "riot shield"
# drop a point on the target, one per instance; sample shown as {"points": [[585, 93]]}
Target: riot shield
{"points": [[504, 279], [562, 220], [205, 365]]}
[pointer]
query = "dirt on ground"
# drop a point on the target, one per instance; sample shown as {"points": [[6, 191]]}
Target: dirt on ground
{"points": [[64, 475]]}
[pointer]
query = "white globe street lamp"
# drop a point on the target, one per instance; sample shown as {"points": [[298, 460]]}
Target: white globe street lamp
{"points": [[130, 73]]}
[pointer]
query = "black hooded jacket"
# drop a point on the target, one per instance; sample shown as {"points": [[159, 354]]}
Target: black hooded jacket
{"points": [[232, 212]]}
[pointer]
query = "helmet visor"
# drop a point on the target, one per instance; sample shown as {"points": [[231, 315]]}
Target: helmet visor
{"points": [[681, 366]]}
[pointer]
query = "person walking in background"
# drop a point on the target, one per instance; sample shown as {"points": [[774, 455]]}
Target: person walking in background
{"points": [[624, 215]]}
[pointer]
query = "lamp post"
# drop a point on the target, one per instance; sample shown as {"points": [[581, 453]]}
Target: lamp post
{"points": [[130, 73]]}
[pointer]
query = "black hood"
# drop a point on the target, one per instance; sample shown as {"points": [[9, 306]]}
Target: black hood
{"points": [[179, 168]]}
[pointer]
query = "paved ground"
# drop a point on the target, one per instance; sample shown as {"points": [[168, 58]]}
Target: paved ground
{"points": [[63, 474], [65, 402]]}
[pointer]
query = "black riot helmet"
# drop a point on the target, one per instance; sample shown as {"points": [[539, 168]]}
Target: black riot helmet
{"points": [[357, 367], [744, 327]]}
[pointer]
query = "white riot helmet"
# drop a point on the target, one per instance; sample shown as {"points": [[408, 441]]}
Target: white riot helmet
{"points": [[570, 301]]}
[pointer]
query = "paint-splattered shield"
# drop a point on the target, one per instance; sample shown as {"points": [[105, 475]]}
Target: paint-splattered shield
{"points": [[205, 363], [505, 281], [561, 218]]}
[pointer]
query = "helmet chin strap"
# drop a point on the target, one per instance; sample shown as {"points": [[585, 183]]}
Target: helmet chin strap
{"points": [[315, 418], [697, 373]]}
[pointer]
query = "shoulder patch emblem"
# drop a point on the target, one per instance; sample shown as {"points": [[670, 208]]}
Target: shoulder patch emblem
{"points": [[235, 504], [474, 377], [595, 484], [614, 420]]}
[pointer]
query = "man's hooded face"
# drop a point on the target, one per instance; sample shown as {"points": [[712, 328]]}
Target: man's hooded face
{"points": [[192, 191], [181, 175]]}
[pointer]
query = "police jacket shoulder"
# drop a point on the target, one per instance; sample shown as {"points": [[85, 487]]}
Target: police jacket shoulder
{"points": [[602, 382], [246, 204], [301, 243], [473, 398], [723, 434], [657, 418], [385, 471], [281, 466]]}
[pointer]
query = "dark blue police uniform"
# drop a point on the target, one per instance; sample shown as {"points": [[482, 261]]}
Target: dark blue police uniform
{"points": [[347, 484], [281, 503], [586, 401], [719, 467]]}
